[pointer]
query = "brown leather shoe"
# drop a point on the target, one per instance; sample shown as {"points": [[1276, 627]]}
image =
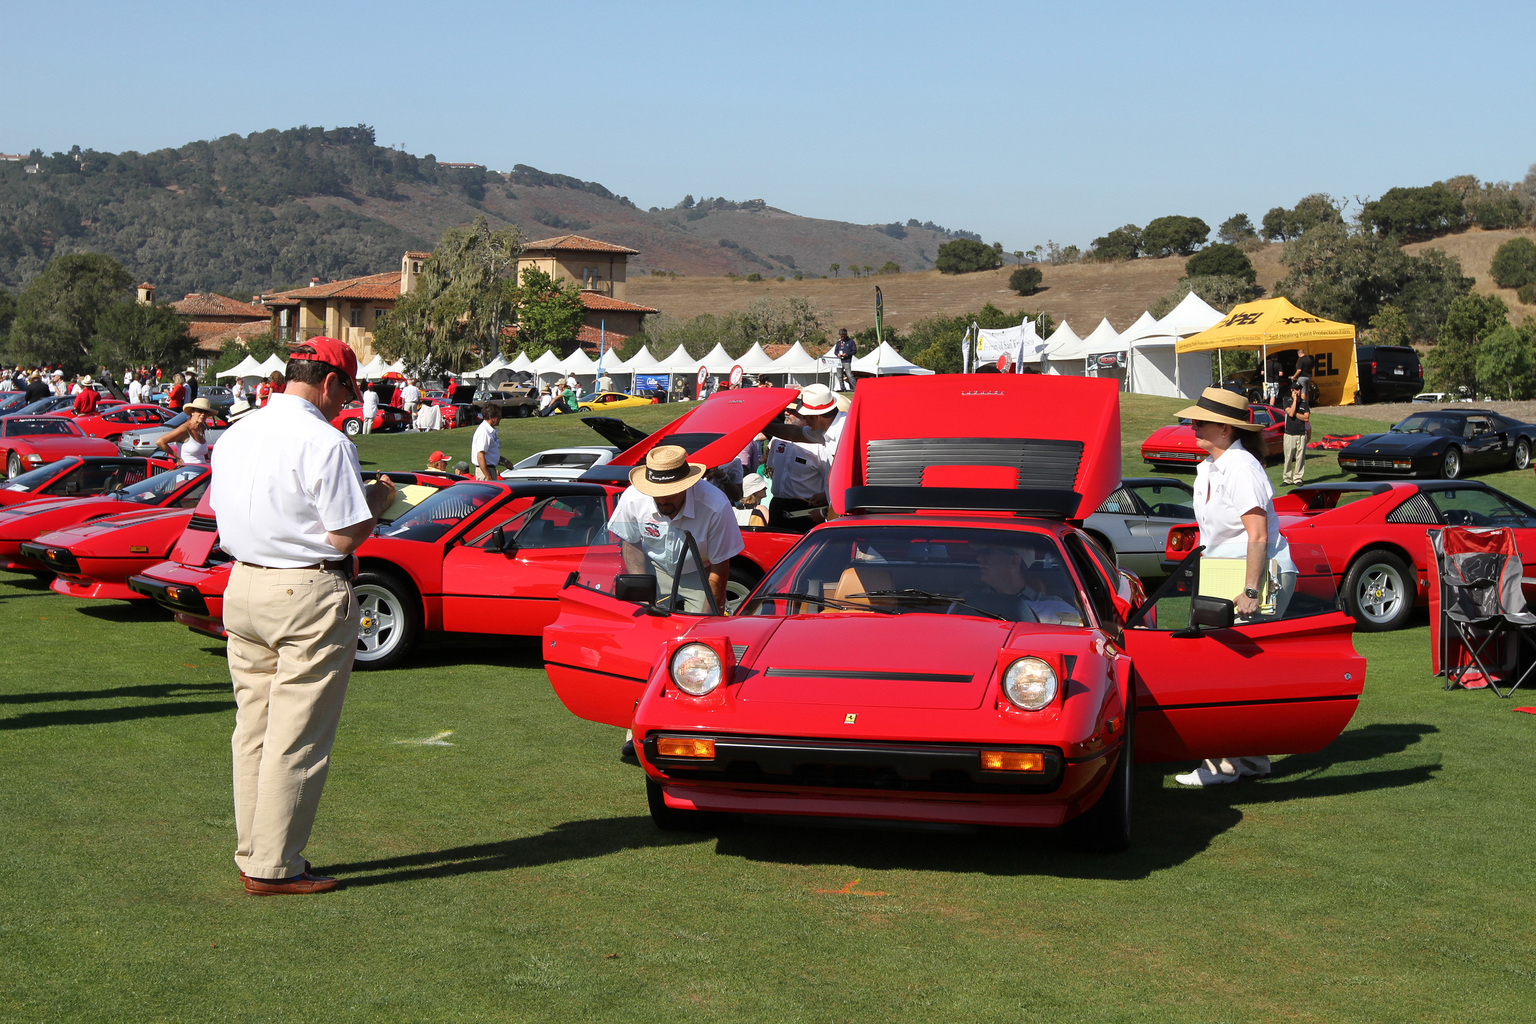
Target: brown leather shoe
{"points": [[244, 876], [303, 885]]}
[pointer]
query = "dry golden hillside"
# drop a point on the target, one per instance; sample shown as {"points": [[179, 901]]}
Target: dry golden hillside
{"points": [[1475, 249], [1080, 293]]}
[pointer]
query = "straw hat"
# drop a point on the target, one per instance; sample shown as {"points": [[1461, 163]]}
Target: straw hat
{"points": [[201, 405], [236, 411], [1218, 405], [817, 400], [666, 471]]}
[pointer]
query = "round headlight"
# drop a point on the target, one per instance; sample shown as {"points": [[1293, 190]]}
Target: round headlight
{"points": [[695, 669], [1030, 684]]}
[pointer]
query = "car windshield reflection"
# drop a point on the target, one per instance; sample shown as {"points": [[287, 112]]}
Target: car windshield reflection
{"points": [[441, 512]]}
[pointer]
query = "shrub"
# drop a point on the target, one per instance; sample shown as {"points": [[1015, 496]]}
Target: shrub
{"points": [[1123, 243], [1514, 265], [1527, 294], [1236, 229], [1026, 280], [754, 276], [965, 256], [1221, 259]]}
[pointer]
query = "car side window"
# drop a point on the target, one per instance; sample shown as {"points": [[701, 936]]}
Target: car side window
{"points": [[1119, 503], [1476, 507], [564, 523], [510, 517], [1262, 417], [1093, 577], [1169, 500]]}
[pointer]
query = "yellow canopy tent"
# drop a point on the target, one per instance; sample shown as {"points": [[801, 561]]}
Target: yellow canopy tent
{"points": [[1277, 324]]}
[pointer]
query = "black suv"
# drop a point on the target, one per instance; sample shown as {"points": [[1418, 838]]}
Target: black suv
{"points": [[1388, 373]]}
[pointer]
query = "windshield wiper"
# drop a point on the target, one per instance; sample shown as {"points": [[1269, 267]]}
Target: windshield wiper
{"points": [[929, 597], [825, 602]]}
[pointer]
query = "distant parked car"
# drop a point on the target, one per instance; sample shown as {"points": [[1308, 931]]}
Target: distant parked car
{"points": [[142, 441], [560, 463], [1133, 522], [1388, 373], [387, 419], [27, 442], [1442, 443], [1430, 397], [1174, 447]]}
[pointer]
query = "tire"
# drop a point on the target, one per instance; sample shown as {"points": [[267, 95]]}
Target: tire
{"points": [[670, 819], [352, 427], [1379, 591], [1106, 826], [390, 620], [524, 411], [742, 581], [1522, 457], [1450, 463], [12, 466]]}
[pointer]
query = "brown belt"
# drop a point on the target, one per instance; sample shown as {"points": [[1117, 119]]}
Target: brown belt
{"points": [[341, 565]]}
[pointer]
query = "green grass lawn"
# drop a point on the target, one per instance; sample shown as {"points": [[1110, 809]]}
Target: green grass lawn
{"points": [[501, 865]]}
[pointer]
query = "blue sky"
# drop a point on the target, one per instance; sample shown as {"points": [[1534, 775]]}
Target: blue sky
{"points": [[1021, 121]]}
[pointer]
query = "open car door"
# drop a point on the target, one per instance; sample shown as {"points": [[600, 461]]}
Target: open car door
{"points": [[1286, 684], [600, 652]]}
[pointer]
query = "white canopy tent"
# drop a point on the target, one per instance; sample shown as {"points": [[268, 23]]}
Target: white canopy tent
{"points": [[247, 367], [579, 364], [272, 363], [717, 360], [1102, 340], [679, 361], [798, 363], [398, 366], [755, 360], [547, 365], [520, 363], [499, 363], [1155, 368], [1058, 358], [885, 361], [1191, 316]]}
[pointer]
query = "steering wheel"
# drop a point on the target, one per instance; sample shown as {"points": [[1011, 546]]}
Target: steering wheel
{"points": [[1458, 517]]}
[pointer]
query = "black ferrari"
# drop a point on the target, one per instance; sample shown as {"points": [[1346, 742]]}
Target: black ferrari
{"points": [[1445, 443]]}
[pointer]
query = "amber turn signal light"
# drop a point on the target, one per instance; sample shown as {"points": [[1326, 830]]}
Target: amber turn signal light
{"points": [[1012, 761], [677, 746]]}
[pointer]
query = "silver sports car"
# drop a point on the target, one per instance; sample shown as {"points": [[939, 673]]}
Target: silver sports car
{"points": [[1133, 522]]}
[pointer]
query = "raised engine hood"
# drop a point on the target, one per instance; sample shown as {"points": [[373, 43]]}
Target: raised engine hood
{"points": [[1029, 443], [713, 432], [882, 661]]}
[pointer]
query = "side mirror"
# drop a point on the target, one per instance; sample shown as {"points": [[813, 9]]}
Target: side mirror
{"points": [[1206, 613], [638, 588], [499, 542]]}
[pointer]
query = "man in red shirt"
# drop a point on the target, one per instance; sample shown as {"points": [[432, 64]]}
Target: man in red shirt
{"points": [[85, 401]]}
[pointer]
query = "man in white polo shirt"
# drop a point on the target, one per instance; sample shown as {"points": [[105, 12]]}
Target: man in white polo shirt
{"points": [[485, 446], [291, 508], [666, 498], [800, 459]]}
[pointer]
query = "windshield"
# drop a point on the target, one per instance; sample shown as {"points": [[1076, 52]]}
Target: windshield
{"points": [[441, 512], [33, 478], [38, 426], [160, 486], [1430, 423], [1014, 575]]}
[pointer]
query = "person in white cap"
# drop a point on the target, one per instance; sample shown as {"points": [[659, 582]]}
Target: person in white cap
{"points": [[800, 458], [750, 510], [668, 497]]}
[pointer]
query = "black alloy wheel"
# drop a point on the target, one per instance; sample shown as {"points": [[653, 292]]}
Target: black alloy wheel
{"points": [[1450, 463]]}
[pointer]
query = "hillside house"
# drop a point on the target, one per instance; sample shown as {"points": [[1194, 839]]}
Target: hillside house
{"points": [[599, 269], [345, 309]]}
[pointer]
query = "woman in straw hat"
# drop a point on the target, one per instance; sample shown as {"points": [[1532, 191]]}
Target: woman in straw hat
{"points": [[667, 497], [193, 434], [1235, 510]]}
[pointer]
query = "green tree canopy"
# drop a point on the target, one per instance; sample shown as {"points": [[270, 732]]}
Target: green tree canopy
{"points": [[1236, 229], [464, 296], [1221, 259], [56, 314], [1389, 327], [1414, 213], [130, 333], [965, 255], [1309, 212], [1123, 243], [549, 314], [1514, 264], [1174, 235], [1506, 366], [1348, 276], [1470, 320]]}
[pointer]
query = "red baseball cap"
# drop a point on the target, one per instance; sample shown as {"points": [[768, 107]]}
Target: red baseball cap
{"points": [[334, 352], [438, 457]]}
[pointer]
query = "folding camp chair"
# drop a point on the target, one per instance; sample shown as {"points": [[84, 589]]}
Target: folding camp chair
{"points": [[1484, 623]]}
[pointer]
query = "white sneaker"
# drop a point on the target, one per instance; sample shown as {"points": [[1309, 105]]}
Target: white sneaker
{"points": [[1205, 777]]}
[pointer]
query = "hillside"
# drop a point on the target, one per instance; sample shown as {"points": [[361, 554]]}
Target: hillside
{"points": [[273, 209], [1475, 248], [1080, 293]]}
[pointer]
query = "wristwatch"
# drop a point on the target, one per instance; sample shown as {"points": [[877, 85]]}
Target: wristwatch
{"points": [[1251, 593]]}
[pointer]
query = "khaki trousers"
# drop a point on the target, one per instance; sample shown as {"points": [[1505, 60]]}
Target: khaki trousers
{"points": [[292, 635], [1295, 458]]}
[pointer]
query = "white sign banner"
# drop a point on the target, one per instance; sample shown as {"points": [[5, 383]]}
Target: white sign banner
{"points": [[1019, 343]]}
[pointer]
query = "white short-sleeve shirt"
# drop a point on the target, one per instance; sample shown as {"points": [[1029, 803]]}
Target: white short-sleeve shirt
{"points": [[1227, 487], [284, 477], [706, 514], [486, 440], [797, 469]]}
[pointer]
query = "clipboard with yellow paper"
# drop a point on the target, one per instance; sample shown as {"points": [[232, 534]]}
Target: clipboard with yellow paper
{"points": [[1226, 578]]}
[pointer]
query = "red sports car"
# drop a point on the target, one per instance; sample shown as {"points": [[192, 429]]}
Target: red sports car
{"points": [[1174, 446], [20, 524], [484, 557], [75, 477], [387, 419], [111, 422], [1372, 537], [95, 559], [953, 647], [27, 442]]}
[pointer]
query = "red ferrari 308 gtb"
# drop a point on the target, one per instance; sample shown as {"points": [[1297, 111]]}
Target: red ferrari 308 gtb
{"points": [[953, 647]]}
